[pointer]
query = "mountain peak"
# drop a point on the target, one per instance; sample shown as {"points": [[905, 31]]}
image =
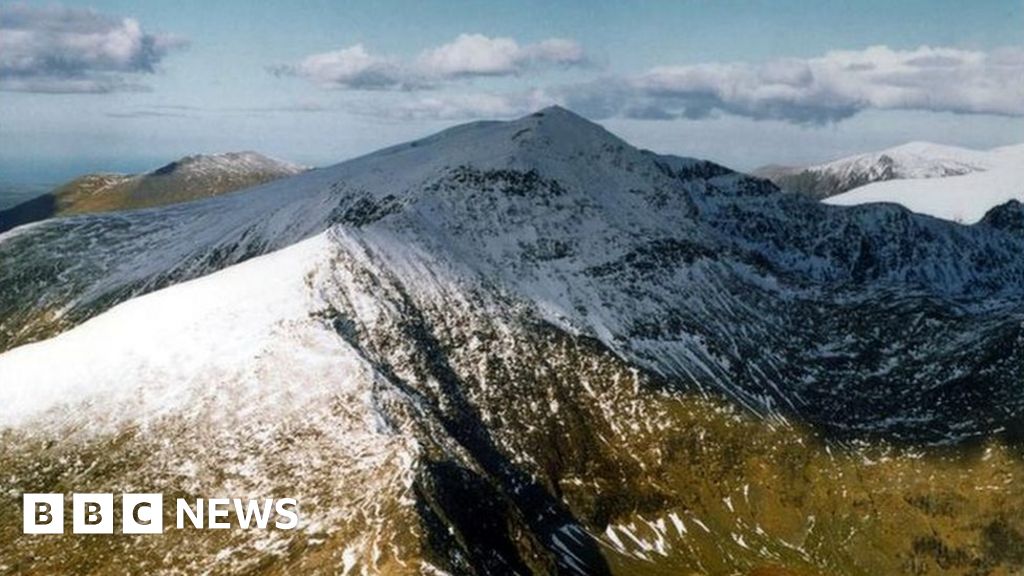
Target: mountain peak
{"points": [[246, 160], [556, 127], [557, 111], [558, 116], [552, 139]]}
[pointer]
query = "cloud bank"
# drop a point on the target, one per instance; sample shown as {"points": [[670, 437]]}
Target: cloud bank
{"points": [[468, 56], [352, 68], [805, 91], [62, 50], [478, 55], [817, 90]]}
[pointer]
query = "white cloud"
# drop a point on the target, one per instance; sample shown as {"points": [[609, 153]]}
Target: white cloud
{"points": [[834, 86], [479, 55], [57, 49], [352, 68], [469, 55]]}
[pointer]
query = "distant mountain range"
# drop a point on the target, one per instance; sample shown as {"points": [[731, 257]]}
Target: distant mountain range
{"points": [[947, 182], [187, 179], [525, 347]]}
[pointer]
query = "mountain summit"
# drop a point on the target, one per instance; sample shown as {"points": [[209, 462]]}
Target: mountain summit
{"points": [[525, 347]]}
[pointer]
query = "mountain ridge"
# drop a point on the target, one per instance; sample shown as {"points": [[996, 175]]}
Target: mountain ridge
{"points": [[189, 178]]}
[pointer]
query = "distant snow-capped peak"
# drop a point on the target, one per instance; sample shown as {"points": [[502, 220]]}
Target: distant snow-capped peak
{"points": [[914, 160], [911, 160], [246, 162], [964, 196]]}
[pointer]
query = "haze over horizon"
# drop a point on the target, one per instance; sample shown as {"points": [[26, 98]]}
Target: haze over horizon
{"points": [[126, 86]]}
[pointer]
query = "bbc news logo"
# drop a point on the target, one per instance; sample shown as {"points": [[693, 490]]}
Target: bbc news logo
{"points": [[144, 513]]}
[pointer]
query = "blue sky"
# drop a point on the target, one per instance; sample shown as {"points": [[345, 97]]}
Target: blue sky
{"points": [[744, 83]]}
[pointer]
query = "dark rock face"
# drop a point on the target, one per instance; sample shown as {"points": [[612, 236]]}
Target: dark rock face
{"points": [[1008, 217]]}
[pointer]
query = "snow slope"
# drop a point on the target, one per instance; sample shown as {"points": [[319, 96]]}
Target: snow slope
{"points": [[153, 352], [227, 164], [226, 385], [961, 198]]}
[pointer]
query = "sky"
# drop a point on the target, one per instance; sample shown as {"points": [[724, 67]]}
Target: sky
{"points": [[129, 85]]}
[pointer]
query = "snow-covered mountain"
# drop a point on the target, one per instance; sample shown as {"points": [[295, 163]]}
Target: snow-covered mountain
{"points": [[525, 347], [659, 258], [915, 160], [190, 178], [228, 165], [961, 197]]}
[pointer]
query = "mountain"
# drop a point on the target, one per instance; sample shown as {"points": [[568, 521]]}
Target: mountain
{"points": [[962, 198], [916, 160], [525, 347], [190, 178]]}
